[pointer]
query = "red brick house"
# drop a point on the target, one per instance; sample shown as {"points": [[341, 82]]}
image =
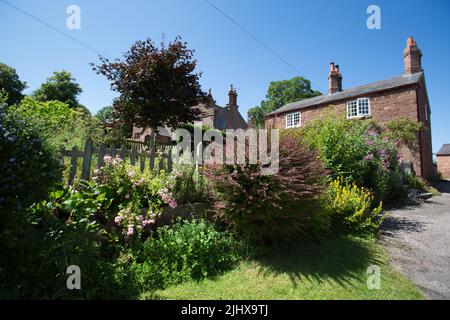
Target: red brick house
{"points": [[443, 161], [398, 97], [214, 116]]}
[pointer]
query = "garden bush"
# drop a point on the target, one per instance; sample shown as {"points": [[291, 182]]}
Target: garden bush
{"points": [[29, 166], [360, 151], [416, 182], [265, 208], [188, 185], [185, 250], [351, 207]]}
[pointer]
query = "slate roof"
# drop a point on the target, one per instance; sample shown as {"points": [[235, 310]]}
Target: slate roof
{"points": [[444, 150], [352, 92]]}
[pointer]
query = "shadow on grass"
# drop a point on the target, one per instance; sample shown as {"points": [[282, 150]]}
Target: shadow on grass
{"points": [[340, 259]]}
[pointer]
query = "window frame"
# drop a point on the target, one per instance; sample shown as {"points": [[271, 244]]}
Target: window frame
{"points": [[358, 113], [292, 114]]}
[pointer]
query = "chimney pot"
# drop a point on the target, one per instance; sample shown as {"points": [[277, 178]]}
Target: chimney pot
{"points": [[232, 97], [334, 79], [412, 57]]}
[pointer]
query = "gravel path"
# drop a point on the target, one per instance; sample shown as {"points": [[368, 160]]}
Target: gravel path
{"points": [[418, 241]]}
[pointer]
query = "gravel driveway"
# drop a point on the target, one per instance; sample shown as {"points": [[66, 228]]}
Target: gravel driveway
{"points": [[418, 241]]}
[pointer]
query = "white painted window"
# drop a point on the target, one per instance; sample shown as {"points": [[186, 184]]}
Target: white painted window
{"points": [[358, 108], [293, 120]]}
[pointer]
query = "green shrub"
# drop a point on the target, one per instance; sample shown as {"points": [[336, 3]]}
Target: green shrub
{"points": [[188, 185], [266, 208], [29, 167], [186, 250], [351, 207], [360, 151], [416, 182]]}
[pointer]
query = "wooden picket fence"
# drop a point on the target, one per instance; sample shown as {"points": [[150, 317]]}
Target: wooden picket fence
{"points": [[137, 155]]}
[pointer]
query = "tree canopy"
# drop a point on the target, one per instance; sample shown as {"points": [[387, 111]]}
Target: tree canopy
{"points": [[11, 84], [158, 85], [278, 94], [59, 87], [105, 114]]}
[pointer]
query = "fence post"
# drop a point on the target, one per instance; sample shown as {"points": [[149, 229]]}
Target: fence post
{"points": [[123, 152], [152, 151], [73, 165], [133, 156], [142, 162], [87, 159], [101, 155], [169, 160], [113, 152]]}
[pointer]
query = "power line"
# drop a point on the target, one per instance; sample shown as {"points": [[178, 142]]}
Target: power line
{"points": [[253, 36], [48, 25]]}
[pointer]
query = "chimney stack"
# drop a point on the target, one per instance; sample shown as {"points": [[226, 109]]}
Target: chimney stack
{"points": [[334, 79], [412, 57], [232, 97]]}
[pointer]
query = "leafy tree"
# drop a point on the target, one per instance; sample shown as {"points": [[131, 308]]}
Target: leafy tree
{"points": [[158, 85], [60, 87], [11, 84], [59, 124], [278, 94], [105, 114]]}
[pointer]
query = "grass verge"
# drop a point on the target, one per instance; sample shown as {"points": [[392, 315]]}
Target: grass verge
{"points": [[333, 268]]}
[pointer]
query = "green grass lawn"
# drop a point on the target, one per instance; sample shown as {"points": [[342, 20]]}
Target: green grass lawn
{"points": [[334, 268]]}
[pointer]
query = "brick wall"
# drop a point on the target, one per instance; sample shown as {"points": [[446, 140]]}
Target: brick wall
{"points": [[443, 165], [386, 105]]}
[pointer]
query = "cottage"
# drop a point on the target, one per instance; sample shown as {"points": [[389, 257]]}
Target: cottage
{"points": [[398, 97], [443, 161], [214, 116]]}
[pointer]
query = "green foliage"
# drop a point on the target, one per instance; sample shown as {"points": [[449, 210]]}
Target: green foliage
{"points": [[11, 85], [59, 124], [158, 86], [183, 251], [188, 185], [418, 183], [92, 224], [266, 208], [351, 207], [29, 166], [105, 114], [278, 94], [59, 87], [357, 150], [403, 130]]}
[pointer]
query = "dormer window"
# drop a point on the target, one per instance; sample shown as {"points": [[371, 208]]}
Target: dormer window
{"points": [[358, 108], [293, 120]]}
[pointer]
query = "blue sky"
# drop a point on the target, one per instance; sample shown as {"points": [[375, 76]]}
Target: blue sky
{"points": [[307, 34]]}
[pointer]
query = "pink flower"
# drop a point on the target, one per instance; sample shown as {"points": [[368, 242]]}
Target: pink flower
{"points": [[107, 158], [130, 231], [131, 173], [147, 222], [368, 157], [118, 219], [370, 143], [173, 203]]}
